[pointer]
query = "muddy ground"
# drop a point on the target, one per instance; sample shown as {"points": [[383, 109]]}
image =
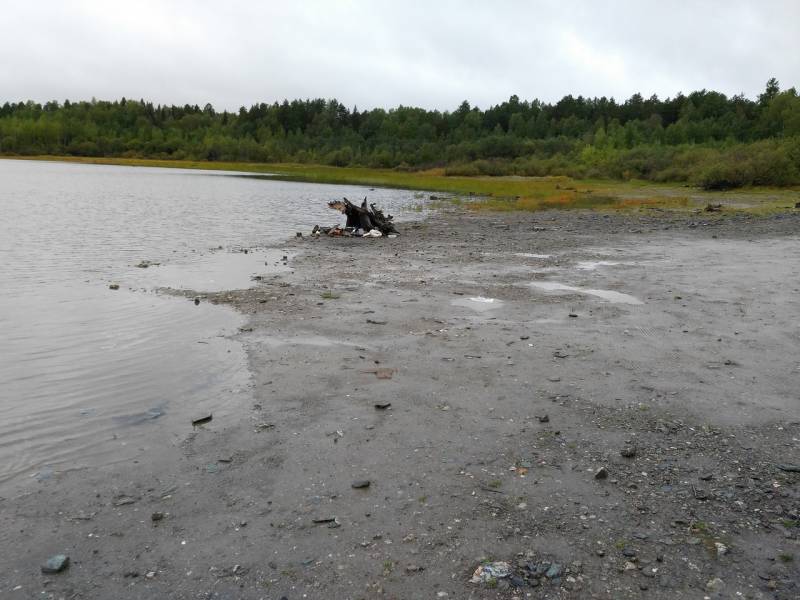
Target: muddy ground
{"points": [[610, 404]]}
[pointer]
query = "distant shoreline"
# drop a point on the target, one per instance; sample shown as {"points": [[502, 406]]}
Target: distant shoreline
{"points": [[504, 193]]}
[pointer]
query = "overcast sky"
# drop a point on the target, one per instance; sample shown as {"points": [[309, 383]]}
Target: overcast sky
{"points": [[373, 53]]}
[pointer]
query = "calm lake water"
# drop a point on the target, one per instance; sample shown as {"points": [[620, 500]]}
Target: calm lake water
{"points": [[86, 372]]}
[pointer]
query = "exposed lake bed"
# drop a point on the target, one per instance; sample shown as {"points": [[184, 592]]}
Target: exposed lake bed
{"points": [[426, 365]]}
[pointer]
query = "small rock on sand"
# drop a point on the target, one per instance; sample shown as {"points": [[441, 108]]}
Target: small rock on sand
{"points": [[56, 564], [202, 419]]}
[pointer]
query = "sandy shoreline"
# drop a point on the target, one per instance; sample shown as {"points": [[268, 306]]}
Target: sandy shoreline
{"points": [[682, 352]]}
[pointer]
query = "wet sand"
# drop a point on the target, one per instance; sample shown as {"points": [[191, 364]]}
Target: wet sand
{"points": [[514, 356]]}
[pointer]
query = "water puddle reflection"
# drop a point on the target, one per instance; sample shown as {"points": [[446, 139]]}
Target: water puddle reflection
{"points": [[609, 295], [478, 303], [215, 272], [317, 341], [591, 265]]}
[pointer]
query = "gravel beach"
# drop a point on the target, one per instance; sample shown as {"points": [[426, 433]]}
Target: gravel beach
{"points": [[563, 404]]}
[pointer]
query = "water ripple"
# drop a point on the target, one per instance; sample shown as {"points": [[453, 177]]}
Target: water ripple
{"points": [[84, 370]]}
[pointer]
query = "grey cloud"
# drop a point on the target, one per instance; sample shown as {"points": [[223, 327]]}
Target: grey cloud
{"points": [[431, 54]]}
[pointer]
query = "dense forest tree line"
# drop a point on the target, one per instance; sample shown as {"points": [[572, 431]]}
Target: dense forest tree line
{"points": [[704, 137]]}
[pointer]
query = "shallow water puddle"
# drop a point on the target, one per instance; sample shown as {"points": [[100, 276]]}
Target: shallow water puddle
{"points": [[609, 295], [309, 340], [478, 303], [217, 271], [591, 265]]}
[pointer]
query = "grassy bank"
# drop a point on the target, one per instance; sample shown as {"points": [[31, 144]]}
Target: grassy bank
{"points": [[494, 193]]}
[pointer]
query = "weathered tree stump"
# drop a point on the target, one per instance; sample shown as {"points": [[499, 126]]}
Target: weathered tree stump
{"points": [[363, 217]]}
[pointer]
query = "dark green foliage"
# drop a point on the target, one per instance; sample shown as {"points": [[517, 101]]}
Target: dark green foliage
{"points": [[704, 138]]}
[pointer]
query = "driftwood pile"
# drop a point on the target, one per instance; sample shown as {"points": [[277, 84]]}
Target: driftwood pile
{"points": [[366, 221]]}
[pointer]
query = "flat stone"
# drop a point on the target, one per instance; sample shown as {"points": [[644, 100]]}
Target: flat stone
{"points": [[360, 484], [56, 564], [202, 419]]}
